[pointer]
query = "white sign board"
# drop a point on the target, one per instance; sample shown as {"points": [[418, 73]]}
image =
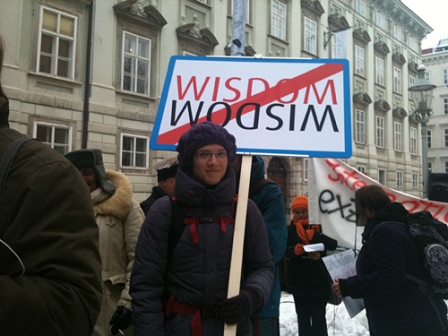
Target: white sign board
{"points": [[272, 106]]}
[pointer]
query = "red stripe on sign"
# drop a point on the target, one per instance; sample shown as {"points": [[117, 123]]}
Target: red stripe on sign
{"points": [[282, 89]]}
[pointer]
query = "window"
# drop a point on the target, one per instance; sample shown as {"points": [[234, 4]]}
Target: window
{"points": [[136, 64], [380, 21], [305, 169], [379, 141], [429, 167], [134, 151], [203, 1], [445, 105], [360, 7], [382, 176], [278, 17], [310, 36], [413, 44], [397, 80], [428, 138], [398, 137], [445, 76], [379, 70], [57, 43], [359, 62], [427, 75], [57, 137], [362, 169], [414, 180], [446, 166], [413, 144], [411, 80], [445, 131], [398, 33], [360, 126], [399, 179]]}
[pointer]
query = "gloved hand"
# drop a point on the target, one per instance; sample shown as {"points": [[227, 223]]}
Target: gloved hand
{"points": [[121, 319], [298, 249], [235, 309]]}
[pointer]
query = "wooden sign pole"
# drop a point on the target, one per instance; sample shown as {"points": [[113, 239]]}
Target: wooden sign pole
{"points": [[238, 237]]}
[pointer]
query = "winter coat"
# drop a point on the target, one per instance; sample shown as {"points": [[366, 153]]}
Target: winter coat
{"points": [[197, 273], [46, 209], [119, 219], [308, 277], [393, 303], [269, 201], [157, 192]]}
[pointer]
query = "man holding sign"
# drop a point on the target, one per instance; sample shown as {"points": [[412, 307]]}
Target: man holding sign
{"points": [[184, 293]]}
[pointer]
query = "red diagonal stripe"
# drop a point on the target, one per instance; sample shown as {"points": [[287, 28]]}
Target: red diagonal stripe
{"points": [[268, 96]]}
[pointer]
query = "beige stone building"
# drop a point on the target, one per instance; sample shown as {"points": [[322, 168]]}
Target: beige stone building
{"points": [[89, 73]]}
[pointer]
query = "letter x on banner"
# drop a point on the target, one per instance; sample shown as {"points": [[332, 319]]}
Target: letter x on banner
{"points": [[276, 106]]}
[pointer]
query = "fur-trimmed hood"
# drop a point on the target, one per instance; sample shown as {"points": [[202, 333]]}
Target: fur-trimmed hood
{"points": [[117, 205]]}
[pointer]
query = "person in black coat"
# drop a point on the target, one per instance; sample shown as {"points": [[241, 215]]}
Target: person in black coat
{"points": [[395, 306], [308, 279]]}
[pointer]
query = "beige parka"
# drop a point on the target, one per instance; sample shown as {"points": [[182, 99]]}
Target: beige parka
{"points": [[119, 220]]}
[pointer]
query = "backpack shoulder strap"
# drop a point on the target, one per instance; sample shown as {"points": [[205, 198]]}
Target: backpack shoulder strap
{"points": [[176, 226], [5, 164]]}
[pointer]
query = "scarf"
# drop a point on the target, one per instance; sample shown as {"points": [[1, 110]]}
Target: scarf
{"points": [[305, 235]]}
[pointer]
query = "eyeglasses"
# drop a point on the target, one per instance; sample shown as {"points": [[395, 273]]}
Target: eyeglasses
{"points": [[206, 155]]}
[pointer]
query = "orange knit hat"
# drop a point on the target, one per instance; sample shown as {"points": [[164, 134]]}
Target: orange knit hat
{"points": [[300, 202]]}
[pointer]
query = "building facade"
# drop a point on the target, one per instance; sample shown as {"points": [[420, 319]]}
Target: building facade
{"points": [[436, 63], [89, 73]]}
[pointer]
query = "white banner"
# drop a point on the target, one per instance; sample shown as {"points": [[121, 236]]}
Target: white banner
{"points": [[332, 200]]}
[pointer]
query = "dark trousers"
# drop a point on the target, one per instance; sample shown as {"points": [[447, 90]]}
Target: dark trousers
{"points": [[269, 326], [311, 315]]}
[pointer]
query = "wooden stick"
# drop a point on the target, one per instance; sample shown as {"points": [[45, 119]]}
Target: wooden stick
{"points": [[238, 237]]}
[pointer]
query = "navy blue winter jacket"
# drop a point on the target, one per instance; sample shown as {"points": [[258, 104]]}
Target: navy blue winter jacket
{"points": [[198, 273], [393, 303]]}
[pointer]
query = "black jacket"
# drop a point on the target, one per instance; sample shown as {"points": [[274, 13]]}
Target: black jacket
{"points": [[307, 277], [155, 195], [393, 303]]}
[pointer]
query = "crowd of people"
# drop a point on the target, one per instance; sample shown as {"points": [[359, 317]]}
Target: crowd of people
{"points": [[79, 256]]}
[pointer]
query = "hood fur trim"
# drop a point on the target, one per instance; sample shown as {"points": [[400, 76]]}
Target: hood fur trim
{"points": [[120, 203]]}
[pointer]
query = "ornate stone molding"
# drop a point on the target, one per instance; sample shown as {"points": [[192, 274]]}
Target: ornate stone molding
{"points": [[399, 112], [313, 5], [382, 105], [362, 98], [248, 50], [362, 34], [381, 47], [399, 58], [134, 10], [192, 32], [412, 66], [338, 22]]}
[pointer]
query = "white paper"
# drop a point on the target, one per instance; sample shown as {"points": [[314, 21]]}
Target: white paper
{"points": [[341, 266], [314, 247]]}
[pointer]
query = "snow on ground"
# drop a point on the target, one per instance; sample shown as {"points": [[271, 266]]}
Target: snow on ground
{"points": [[338, 321]]}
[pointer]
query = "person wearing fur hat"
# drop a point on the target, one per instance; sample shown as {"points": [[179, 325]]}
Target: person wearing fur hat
{"points": [[186, 293], [166, 180], [308, 279], [119, 220]]}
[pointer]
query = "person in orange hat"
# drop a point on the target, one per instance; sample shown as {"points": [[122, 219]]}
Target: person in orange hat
{"points": [[308, 279]]}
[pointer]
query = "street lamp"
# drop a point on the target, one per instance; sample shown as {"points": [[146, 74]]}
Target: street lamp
{"points": [[421, 93]]}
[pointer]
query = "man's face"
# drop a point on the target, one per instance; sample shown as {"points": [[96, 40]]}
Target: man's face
{"points": [[89, 176], [168, 185], [210, 164]]}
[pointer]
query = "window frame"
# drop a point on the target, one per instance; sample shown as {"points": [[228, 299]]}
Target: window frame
{"points": [[414, 180], [428, 138], [309, 35], [445, 105], [397, 80], [53, 127], [381, 21], [413, 140], [445, 137], [379, 131], [279, 31], [445, 76], [360, 60], [381, 175], [398, 136], [134, 152], [399, 178], [360, 7], [379, 70], [305, 169], [360, 126], [398, 33], [57, 37], [136, 59]]}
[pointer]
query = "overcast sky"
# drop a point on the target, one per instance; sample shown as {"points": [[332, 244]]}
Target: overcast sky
{"points": [[434, 13]]}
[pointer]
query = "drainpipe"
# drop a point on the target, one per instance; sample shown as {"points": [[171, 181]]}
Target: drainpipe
{"points": [[87, 86]]}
